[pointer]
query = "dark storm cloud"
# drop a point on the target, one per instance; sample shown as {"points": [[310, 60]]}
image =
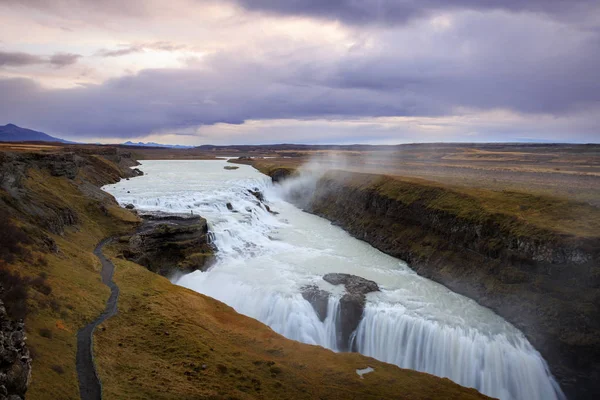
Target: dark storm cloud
{"points": [[171, 99], [392, 12], [19, 59]]}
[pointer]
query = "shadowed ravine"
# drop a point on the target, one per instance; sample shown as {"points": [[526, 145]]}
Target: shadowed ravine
{"points": [[90, 386]]}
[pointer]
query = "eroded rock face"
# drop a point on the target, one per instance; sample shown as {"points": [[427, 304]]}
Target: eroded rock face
{"points": [[166, 244], [15, 361], [93, 168], [318, 299], [352, 304]]}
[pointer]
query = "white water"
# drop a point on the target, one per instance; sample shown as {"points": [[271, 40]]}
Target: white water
{"points": [[265, 260]]}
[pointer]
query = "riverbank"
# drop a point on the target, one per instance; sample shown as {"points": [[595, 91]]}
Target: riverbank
{"points": [[165, 341], [533, 259]]}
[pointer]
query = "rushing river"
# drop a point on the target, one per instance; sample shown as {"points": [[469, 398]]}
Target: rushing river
{"points": [[264, 260]]}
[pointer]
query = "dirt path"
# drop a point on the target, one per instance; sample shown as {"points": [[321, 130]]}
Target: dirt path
{"points": [[90, 386]]}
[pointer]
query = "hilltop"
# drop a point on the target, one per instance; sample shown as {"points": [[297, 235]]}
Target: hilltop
{"points": [[14, 133]]}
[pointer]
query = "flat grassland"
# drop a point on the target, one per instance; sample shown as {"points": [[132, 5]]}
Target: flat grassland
{"points": [[567, 171]]}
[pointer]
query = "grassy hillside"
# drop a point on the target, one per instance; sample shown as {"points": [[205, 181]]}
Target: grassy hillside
{"points": [[166, 341]]}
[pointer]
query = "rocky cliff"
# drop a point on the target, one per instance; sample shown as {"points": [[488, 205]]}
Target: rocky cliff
{"points": [[168, 244], [88, 169], [544, 281], [15, 361], [45, 196]]}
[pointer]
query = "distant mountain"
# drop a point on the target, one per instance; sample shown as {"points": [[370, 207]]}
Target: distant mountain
{"points": [[13, 133], [153, 144]]}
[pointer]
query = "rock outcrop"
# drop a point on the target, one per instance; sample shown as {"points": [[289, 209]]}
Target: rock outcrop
{"points": [[318, 299], [86, 168], [352, 303], [353, 284], [258, 194], [166, 244], [15, 361]]}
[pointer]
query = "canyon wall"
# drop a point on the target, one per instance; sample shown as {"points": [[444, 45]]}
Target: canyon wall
{"points": [[545, 283]]}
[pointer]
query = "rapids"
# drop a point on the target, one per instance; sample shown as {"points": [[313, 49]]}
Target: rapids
{"points": [[264, 260]]}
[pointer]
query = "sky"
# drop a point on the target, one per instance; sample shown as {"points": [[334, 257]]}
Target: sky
{"points": [[302, 71]]}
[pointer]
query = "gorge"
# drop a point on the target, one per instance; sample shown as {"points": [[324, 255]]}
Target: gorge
{"points": [[269, 252]]}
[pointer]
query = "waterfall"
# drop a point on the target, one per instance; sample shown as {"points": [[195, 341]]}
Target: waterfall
{"points": [[287, 314], [265, 260], [499, 365]]}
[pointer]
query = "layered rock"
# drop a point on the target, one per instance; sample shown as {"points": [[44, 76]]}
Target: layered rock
{"points": [[167, 244], [86, 168]]}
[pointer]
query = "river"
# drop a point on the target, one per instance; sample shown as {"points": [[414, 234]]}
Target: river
{"points": [[264, 260]]}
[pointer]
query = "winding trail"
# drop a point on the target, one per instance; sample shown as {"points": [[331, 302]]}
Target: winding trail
{"points": [[90, 387]]}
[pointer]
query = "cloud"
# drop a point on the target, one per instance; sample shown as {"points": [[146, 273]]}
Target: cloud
{"points": [[393, 12], [355, 12], [431, 61], [63, 59], [131, 8], [19, 59], [425, 74], [138, 48]]}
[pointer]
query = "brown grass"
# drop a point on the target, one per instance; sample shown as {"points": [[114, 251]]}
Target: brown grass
{"points": [[532, 211], [168, 342], [163, 335]]}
